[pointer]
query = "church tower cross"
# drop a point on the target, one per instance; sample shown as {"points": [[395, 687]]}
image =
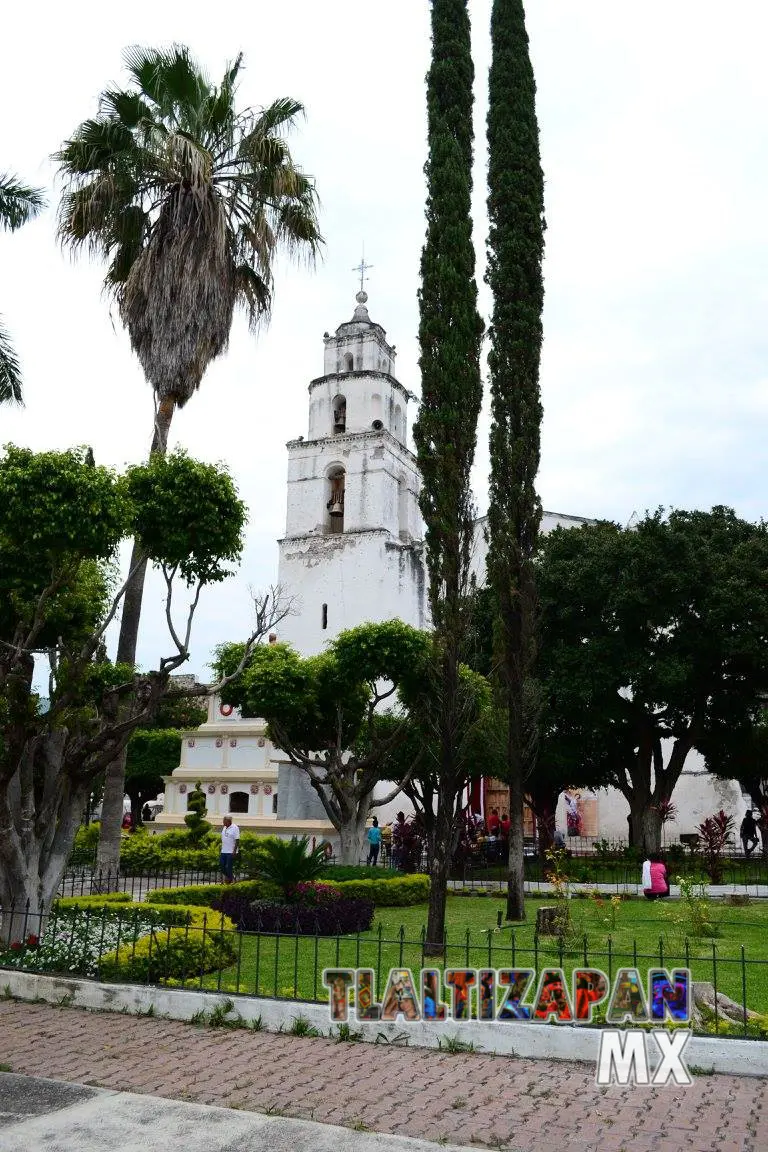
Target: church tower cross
{"points": [[362, 268]]}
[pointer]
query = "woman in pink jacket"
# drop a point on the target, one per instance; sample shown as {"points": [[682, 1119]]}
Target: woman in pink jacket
{"points": [[655, 880]]}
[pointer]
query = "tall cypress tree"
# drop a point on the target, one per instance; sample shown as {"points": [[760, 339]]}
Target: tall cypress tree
{"points": [[450, 335], [514, 274]]}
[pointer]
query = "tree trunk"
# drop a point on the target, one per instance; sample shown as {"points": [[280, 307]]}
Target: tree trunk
{"points": [[108, 853], [440, 863], [648, 829], [516, 864], [351, 840], [31, 871]]}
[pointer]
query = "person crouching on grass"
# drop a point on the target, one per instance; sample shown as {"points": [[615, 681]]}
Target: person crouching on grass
{"points": [[230, 846], [655, 880]]}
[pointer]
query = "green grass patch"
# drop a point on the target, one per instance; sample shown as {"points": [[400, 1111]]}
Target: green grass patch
{"points": [[634, 934]]}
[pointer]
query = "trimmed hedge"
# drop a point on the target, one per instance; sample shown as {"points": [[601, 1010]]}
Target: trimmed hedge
{"points": [[206, 894], [189, 941], [339, 917], [337, 872], [171, 851], [396, 893], [178, 953], [399, 892], [103, 901]]}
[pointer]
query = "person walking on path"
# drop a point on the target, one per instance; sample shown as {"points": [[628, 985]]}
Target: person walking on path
{"points": [[373, 835], [748, 833], [230, 846]]}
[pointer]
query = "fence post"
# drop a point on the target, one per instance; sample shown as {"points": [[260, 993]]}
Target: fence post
{"points": [[378, 963], [239, 959], [714, 982], [277, 958]]}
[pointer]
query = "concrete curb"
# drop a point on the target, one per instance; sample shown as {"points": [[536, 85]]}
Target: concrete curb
{"points": [[533, 1041]]}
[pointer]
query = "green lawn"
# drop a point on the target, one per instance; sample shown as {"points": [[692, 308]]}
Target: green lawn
{"points": [[606, 936]]}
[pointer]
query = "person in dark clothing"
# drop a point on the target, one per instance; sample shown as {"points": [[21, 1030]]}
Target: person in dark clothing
{"points": [[748, 833]]}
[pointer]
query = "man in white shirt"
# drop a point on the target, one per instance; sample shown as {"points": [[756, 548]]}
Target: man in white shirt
{"points": [[230, 846]]}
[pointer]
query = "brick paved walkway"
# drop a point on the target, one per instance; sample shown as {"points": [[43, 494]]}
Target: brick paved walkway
{"points": [[464, 1099]]}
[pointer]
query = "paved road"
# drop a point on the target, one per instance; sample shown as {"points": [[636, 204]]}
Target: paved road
{"points": [[465, 1099]]}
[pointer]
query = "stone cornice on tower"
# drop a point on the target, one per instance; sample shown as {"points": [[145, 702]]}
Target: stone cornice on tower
{"points": [[372, 434], [362, 373]]}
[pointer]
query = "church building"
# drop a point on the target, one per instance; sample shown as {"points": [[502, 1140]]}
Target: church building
{"points": [[353, 553]]}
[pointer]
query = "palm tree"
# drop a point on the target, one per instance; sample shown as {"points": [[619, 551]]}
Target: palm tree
{"points": [[188, 199], [18, 204]]}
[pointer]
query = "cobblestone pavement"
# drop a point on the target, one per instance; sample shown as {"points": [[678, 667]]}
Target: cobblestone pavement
{"points": [[464, 1099]]}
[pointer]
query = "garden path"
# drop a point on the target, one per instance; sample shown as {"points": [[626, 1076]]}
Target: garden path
{"points": [[465, 1099]]}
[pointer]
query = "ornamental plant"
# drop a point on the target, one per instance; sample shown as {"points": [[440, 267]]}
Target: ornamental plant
{"points": [[715, 832], [287, 863], [197, 825]]}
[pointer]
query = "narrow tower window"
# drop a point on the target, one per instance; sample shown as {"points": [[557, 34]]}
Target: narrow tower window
{"points": [[349, 362], [339, 409], [325, 616]]}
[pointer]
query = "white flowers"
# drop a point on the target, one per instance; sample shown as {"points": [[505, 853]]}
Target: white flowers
{"points": [[74, 941]]}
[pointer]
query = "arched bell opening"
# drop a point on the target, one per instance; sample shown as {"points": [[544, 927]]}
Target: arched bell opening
{"points": [[334, 504]]}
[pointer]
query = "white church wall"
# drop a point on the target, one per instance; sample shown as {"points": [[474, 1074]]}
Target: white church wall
{"points": [[359, 577], [549, 521], [698, 794], [373, 465]]}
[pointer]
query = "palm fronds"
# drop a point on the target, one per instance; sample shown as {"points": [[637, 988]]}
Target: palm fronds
{"points": [[287, 863], [10, 372], [189, 201], [18, 202]]}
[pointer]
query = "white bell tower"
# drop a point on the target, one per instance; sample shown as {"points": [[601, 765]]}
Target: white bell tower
{"points": [[352, 550]]}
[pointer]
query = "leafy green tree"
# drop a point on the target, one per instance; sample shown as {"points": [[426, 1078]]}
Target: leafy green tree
{"points": [[62, 520], [450, 335], [321, 708], [18, 204], [151, 755], [197, 825], [654, 642], [189, 200], [740, 752], [515, 254], [415, 759], [153, 751], [555, 756]]}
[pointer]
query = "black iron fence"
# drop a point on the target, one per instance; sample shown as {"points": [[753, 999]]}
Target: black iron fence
{"points": [[89, 881], [749, 875], [131, 944]]}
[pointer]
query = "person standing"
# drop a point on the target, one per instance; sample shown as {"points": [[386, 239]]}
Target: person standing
{"points": [[373, 835], [230, 846], [748, 833], [493, 822]]}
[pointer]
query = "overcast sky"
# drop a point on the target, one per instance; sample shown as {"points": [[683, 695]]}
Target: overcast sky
{"points": [[654, 139]]}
